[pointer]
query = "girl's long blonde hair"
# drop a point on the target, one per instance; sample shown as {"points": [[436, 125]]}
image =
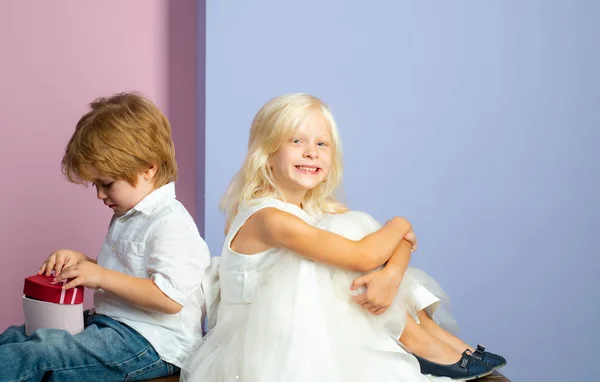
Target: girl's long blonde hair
{"points": [[274, 124]]}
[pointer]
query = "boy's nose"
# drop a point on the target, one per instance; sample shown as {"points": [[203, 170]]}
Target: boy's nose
{"points": [[100, 194]]}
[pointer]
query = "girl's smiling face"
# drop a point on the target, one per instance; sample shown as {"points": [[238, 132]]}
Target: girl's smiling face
{"points": [[304, 160]]}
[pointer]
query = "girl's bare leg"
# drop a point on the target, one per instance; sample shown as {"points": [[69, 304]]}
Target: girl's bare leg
{"points": [[424, 344], [434, 329]]}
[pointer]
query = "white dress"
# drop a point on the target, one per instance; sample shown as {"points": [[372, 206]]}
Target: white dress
{"points": [[284, 318]]}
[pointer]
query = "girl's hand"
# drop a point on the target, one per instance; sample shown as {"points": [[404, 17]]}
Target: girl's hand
{"points": [[84, 273], [382, 287], [59, 260], [410, 236], [412, 239]]}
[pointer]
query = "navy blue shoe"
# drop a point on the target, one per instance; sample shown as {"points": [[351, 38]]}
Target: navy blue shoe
{"points": [[466, 368], [497, 361]]}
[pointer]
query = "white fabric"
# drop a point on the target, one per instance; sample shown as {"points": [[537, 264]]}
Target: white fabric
{"points": [[158, 240], [211, 287], [285, 318]]}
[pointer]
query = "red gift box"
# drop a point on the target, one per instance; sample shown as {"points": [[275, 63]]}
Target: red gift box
{"points": [[43, 288]]}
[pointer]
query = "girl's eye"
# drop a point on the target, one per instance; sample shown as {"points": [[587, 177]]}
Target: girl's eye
{"points": [[323, 144], [107, 185], [296, 140]]}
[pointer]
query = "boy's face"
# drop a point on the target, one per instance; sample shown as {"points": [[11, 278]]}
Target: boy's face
{"points": [[118, 194]]}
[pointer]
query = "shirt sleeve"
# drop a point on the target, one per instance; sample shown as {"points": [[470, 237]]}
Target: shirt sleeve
{"points": [[177, 258]]}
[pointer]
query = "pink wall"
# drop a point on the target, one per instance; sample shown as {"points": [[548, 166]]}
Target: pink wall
{"points": [[56, 57]]}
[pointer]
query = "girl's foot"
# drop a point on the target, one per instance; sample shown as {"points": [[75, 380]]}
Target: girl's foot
{"points": [[467, 368], [457, 344], [438, 358], [495, 360], [421, 343]]}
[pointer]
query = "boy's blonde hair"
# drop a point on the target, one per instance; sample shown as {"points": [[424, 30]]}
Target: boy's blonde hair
{"points": [[121, 136], [274, 124]]}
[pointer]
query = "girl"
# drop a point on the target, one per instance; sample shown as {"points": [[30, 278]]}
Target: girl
{"points": [[292, 252]]}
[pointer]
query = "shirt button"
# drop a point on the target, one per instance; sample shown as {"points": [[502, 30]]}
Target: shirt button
{"points": [[113, 248]]}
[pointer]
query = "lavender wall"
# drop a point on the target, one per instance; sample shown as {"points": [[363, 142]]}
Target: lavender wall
{"points": [[479, 121]]}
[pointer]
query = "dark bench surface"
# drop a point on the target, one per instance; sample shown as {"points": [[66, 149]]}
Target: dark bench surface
{"points": [[494, 377]]}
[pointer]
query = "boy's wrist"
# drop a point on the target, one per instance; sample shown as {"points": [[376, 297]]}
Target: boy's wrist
{"points": [[90, 260], [104, 280]]}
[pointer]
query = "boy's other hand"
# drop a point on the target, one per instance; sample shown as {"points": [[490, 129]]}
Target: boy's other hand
{"points": [[59, 260], [84, 273]]}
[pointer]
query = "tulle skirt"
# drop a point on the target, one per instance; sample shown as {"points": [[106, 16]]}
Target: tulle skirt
{"points": [[304, 326]]}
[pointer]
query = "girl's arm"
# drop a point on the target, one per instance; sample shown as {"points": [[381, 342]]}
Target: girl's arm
{"points": [[382, 285], [277, 228], [396, 266], [398, 262]]}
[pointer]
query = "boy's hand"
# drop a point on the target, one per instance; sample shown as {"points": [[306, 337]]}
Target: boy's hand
{"points": [[59, 260], [84, 273], [382, 287], [412, 239]]}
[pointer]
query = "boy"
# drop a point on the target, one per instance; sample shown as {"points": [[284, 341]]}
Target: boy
{"points": [[147, 277]]}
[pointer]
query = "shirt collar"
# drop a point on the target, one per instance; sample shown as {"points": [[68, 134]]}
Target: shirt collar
{"points": [[156, 197]]}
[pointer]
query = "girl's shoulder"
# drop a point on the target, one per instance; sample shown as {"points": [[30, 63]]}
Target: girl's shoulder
{"points": [[249, 208]]}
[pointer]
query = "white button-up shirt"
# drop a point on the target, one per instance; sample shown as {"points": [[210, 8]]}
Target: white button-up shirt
{"points": [[158, 240]]}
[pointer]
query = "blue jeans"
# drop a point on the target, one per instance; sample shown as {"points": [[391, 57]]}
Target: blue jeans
{"points": [[106, 350]]}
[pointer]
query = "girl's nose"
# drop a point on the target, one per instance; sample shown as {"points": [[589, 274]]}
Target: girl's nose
{"points": [[311, 153]]}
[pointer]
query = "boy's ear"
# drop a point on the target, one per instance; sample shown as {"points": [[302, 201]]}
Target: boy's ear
{"points": [[150, 171]]}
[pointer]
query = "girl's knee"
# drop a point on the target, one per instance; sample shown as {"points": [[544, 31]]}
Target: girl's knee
{"points": [[353, 225]]}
